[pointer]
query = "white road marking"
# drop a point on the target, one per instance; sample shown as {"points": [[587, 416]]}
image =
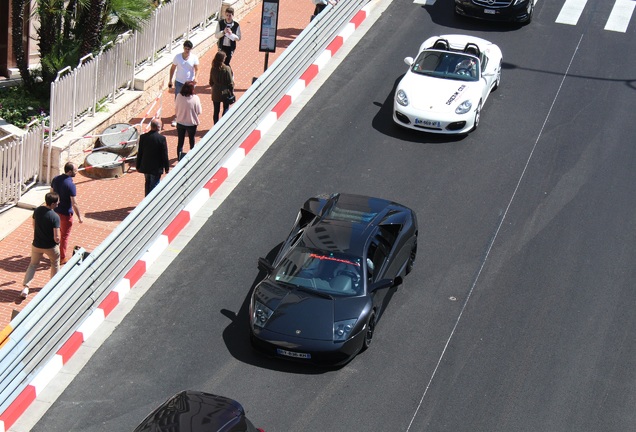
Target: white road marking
{"points": [[493, 239], [620, 15], [571, 12], [424, 2]]}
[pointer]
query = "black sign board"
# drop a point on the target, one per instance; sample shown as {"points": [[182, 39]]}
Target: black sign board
{"points": [[269, 26]]}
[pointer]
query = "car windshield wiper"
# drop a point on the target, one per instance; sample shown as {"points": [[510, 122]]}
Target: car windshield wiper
{"points": [[318, 293]]}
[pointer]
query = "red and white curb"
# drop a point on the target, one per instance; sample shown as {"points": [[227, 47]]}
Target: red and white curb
{"points": [[93, 321]]}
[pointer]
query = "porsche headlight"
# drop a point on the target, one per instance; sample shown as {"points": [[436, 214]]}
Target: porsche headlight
{"points": [[342, 329], [401, 98], [261, 314], [464, 107]]}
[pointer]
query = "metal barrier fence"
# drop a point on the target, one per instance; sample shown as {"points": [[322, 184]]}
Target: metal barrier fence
{"points": [[71, 296], [20, 163], [76, 92], [95, 80]]}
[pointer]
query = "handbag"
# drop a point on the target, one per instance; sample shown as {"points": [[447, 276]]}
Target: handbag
{"points": [[230, 98]]}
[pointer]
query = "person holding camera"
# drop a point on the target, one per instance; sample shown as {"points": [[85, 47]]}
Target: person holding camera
{"points": [[228, 32]]}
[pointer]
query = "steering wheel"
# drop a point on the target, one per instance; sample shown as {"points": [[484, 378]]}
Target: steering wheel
{"points": [[463, 71], [353, 275]]}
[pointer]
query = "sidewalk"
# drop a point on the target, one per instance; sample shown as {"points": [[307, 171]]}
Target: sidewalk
{"points": [[106, 202]]}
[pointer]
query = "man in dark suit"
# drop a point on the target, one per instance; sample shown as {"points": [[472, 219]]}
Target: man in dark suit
{"points": [[152, 156]]}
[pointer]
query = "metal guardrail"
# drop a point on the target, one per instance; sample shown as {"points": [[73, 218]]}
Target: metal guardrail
{"points": [[20, 163], [46, 323]]}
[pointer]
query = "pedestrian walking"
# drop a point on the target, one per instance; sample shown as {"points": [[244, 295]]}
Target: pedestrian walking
{"points": [[228, 32], [222, 84], [46, 239], [187, 110], [321, 5], [64, 187], [186, 66], [152, 156]]}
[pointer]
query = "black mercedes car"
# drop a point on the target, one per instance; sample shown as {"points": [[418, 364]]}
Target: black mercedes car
{"points": [[497, 10], [195, 411], [332, 278]]}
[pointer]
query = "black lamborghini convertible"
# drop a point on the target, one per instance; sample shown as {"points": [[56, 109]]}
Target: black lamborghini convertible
{"points": [[332, 278]]}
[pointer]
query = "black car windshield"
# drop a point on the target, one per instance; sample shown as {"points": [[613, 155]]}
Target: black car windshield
{"points": [[447, 65], [324, 272]]}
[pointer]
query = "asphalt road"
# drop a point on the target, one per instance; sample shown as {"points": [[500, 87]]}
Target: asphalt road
{"points": [[520, 311]]}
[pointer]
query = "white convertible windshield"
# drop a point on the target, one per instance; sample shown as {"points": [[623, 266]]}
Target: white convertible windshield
{"points": [[448, 65], [324, 272]]}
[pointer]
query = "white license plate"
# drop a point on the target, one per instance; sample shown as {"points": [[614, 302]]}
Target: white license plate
{"points": [[293, 354], [490, 11], [429, 123]]}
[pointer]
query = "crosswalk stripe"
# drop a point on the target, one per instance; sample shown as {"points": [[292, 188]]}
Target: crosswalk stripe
{"points": [[620, 15], [571, 12]]}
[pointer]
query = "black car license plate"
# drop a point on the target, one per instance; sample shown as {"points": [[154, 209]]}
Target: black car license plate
{"points": [[293, 354]]}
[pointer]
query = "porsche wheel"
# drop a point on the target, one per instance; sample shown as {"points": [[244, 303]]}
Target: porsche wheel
{"points": [[498, 80], [368, 337], [477, 117]]}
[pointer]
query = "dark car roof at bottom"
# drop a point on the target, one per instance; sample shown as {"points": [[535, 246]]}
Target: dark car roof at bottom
{"points": [[347, 225], [193, 411]]}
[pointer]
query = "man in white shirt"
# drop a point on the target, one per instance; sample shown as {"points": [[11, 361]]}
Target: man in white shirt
{"points": [[186, 66]]}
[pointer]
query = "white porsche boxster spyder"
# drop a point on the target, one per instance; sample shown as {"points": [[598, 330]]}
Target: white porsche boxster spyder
{"points": [[448, 83]]}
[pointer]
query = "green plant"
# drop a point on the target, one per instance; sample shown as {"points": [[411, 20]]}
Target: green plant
{"points": [[19, 107]]}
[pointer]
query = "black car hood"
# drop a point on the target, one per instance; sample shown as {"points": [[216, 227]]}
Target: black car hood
{"points": [[302, 314], [195, 411]]}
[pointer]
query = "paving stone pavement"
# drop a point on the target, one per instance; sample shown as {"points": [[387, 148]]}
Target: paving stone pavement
{"points": [[106, 202]]}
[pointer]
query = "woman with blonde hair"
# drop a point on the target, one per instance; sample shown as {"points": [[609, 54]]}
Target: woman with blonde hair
{"points": [[222, 84]]}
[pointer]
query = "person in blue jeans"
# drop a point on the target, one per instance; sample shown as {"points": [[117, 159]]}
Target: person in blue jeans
{"points": [[186, 66], [152, 156]]}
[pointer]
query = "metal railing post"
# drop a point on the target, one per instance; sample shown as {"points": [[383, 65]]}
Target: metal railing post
{"points": [[171, 28], [154, 36], [21, 163], [207, 15], [74, 95], [42, 138], [51, 118], [95, 100], [135, 36], [116, 62], [75, 90], [189, 20]]}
